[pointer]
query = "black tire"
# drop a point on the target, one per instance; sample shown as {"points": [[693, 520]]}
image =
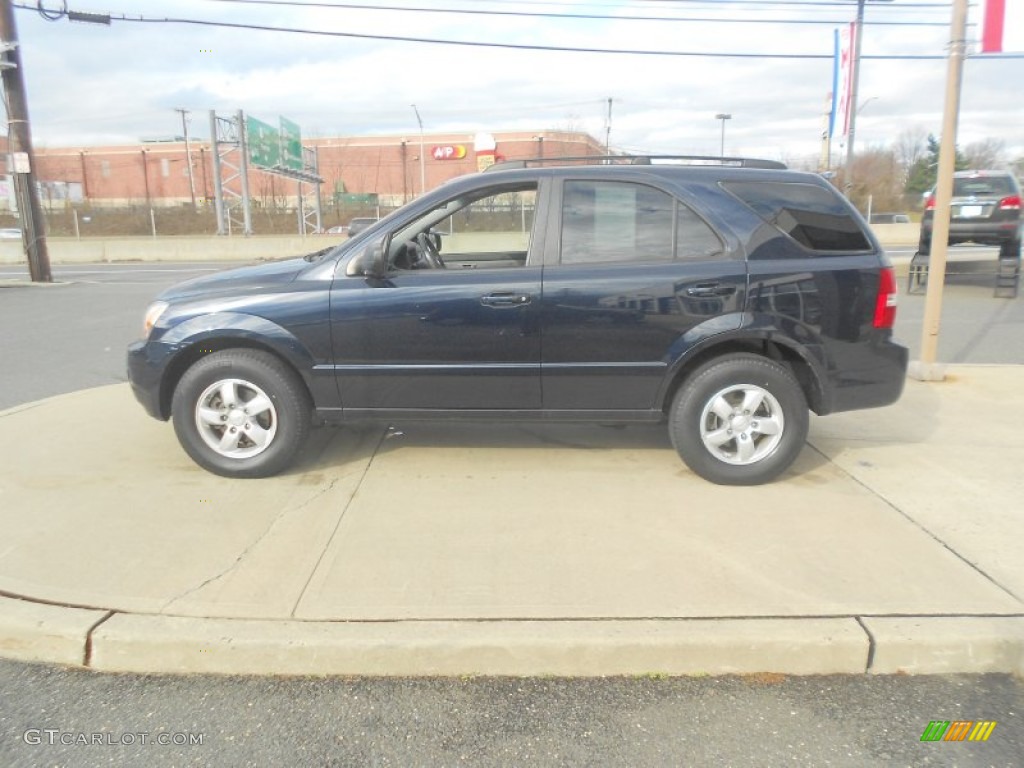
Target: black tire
{"points": [[266, 433], [751, 453]]}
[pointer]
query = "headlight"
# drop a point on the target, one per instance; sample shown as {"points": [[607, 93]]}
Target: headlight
{"points": [[152, 315]]}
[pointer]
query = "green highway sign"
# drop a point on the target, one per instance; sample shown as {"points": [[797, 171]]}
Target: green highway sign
{"points": [[264, 143], [291, 145]]}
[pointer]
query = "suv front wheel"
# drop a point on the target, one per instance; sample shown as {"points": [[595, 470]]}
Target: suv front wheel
{"points": [[739, 420], [241, 413]]}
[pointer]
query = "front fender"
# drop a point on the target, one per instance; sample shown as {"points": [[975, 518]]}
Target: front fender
{"points": [[182, 344], [238, 325]]}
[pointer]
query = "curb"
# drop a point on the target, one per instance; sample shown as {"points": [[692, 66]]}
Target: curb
{"points": [[40, 632], [154, 644]]}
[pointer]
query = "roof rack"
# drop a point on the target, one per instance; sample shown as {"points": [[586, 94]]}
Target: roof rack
{"points": [[712, 160]]}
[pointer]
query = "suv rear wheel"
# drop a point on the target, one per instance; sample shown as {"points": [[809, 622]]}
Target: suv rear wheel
{"points": [[241, 413], [739, 420]]}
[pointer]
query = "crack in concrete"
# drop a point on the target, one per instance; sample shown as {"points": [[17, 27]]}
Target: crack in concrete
{"points": [[241, 556], [920, 526], [87, 651], [871, 644], [337, 526]]}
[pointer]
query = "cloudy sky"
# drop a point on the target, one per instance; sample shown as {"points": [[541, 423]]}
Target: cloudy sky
{"points": [[90, 84]]}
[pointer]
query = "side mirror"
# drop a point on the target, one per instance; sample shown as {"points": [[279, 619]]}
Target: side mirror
{"points": [[378, 267], [370, 263]]}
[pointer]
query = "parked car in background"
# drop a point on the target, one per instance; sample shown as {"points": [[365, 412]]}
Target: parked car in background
{"points": [[726, 299], [890, 218], [358, 224], [10, 233], [985, 209]]}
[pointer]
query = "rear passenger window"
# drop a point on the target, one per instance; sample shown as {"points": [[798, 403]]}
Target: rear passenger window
{"points": [[606, 221], [814, 216]]}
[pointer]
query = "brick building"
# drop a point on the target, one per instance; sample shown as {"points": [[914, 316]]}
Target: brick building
{"points": [[155, 174]]}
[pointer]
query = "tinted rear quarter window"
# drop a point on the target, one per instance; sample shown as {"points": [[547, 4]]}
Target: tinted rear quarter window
{"points": [[816, 217]]}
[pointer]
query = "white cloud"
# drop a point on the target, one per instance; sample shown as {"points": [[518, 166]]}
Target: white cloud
{"points": [[106, 84]]}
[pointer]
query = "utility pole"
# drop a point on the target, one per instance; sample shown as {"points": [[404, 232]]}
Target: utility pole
{"points": [[19, 135], [926, 368], [188, 156]]}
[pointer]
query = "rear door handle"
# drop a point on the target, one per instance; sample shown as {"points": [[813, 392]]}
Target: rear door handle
{"points": [[505, 300], [710, 289]]}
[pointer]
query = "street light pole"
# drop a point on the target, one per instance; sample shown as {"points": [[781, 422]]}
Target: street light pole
{"points": [[423, 167], [723, 117]]}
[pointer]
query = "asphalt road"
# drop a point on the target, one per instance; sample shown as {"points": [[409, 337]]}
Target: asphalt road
{"points": [[71, 336], [765, 720]]}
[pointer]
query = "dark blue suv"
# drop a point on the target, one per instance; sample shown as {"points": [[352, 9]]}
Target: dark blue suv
{"points": [[722, 299]]}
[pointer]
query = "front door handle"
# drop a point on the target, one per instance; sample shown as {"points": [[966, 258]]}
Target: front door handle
{"points": [[505, 300], [702, 290]]}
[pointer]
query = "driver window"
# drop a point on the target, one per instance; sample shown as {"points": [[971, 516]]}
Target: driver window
{"points": [[490, 229]]}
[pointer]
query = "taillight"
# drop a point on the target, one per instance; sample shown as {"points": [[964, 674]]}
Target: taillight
{"points": [[1011, 203], [930, 203], [885, 304]]}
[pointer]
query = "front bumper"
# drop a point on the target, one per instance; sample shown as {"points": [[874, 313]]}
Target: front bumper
{"points": [[147, 362]]}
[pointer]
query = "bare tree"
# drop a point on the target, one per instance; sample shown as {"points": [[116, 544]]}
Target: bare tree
{"points": [[911, 146], [987, 153], [878, 177]]}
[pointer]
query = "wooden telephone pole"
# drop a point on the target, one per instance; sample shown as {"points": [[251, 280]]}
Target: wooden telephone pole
{"points": [[20, 160]]}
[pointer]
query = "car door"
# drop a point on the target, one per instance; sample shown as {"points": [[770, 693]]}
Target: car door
{"points": [[464, 336], [636, 270]]}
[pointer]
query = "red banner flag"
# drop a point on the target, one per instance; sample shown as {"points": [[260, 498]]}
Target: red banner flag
{"points": [[992, 28]]}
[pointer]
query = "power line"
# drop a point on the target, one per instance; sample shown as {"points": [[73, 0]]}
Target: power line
{"points": [[550, 15], [526, 46], [834, 3], [657, 3]]}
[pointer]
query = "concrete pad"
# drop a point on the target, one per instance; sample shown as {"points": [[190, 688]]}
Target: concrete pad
{"points": [[100, 507], [470, 521], [38, 632], [947, 458], [519, 549], [942, 645], [182, 645]]}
